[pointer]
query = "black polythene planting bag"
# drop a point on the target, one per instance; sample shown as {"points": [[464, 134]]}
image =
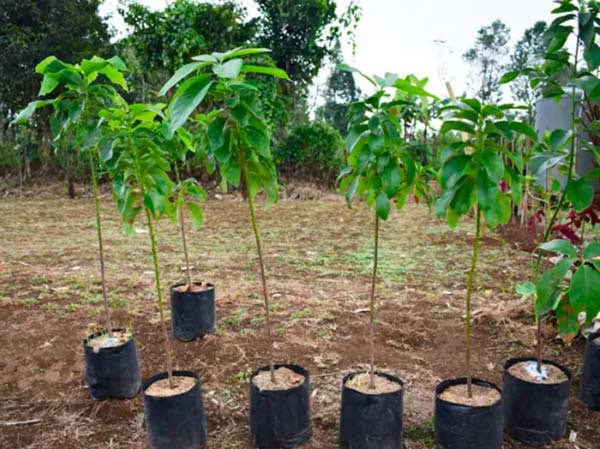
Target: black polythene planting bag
{"points": [[371, 421], [113, 372], [193, 313], [590, 373], [175, 422], [460, 426], [535, 414], [280, 418]]}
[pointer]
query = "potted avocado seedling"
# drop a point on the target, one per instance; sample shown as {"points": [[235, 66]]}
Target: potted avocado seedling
{"points": [[239, 140], [473, 174], [537, 390], [111, 363], [192, 302], [138, 163], [381, 169]]}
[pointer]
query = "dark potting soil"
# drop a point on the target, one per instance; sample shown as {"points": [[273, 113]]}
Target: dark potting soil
{"points": [[161, 388], [482, 396], [195, 287], [360, 382], [104, 341], [554, 374], [285, 379]]}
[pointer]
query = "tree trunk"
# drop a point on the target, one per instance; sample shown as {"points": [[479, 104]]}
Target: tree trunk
{"points": [[372, 307], [468, 303]]}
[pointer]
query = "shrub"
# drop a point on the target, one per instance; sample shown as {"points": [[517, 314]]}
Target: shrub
{"points": [[312, 151]]}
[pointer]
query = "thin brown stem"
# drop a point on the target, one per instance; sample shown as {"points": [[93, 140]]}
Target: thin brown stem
{"points": [[184, 243], [100, 245], [372, 306], [263, 278], [468, 303], [159, 300]]}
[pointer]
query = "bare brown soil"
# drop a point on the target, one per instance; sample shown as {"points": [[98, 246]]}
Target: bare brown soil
{"points": [[285, 379], [482, 396], [554, 374], [161, 387], [361, 383], [318, 258]]}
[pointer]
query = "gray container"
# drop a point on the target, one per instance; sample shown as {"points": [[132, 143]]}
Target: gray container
{"points": [[550, 115]]}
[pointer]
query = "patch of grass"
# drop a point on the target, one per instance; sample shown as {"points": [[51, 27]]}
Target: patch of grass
{"points": [[299, 314], [243, 377], [421, 433], [29, 302], [327, 316], [40, 280], [236, 317], [51, 306], [71, 307]]}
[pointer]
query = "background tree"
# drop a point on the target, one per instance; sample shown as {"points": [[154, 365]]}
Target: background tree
{"points": [[161, 41], [341, 89], [30, 30], [528, 52], [487, 58]]}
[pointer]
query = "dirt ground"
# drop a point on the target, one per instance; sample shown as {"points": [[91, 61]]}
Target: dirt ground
{"points": [[318, 256]]}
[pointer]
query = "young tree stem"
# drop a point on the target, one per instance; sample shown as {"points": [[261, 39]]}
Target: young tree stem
{"points": [[372, 306], [250, 199], [182, 228], [159, 299], [108, 321], [468, 304], [558, 207]]}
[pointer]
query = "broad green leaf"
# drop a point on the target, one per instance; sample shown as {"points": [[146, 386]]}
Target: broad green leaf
{"points": [[548, 286], [580, 193], [230, 69], [351, 190], [453, 169], [244, 52], [509, 76], [26, 113], [382, 205], [523, 128], [49, 83], [456, 125], [187, 98], [409, 88], [195, 214], [592, 56], [181, 73], [591, 250], [349, 68], [215, 133], [493, 165], [273, 71], [584, 292], [526, 289], [559, 246]]}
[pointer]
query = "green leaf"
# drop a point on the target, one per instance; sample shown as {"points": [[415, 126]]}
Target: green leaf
{"points": [[216, 139], [274, 71], [114, 76], [195, 214], [591, 250], [409, 88], [584, 292], [26, 113], [382, 206], [493, 165], [230, 69], [181, 73], [580, 193], [351, 190], [509, 76], [349, 68], [49, 83], [187, 98], [523, 128], [453, 169], [548, 286], [244, 52], [473, 103], [592, 57], [559, 246], [526, 289], [456, 125]]}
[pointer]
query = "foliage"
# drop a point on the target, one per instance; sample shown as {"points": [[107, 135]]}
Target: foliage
{"points": [[311, 151], [160, 41], [487, 56], [579, 20], [473, 162], [33, 29], [296, 33]]}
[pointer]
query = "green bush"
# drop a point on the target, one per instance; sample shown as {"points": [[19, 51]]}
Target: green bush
{"points": [[312, 152]]}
